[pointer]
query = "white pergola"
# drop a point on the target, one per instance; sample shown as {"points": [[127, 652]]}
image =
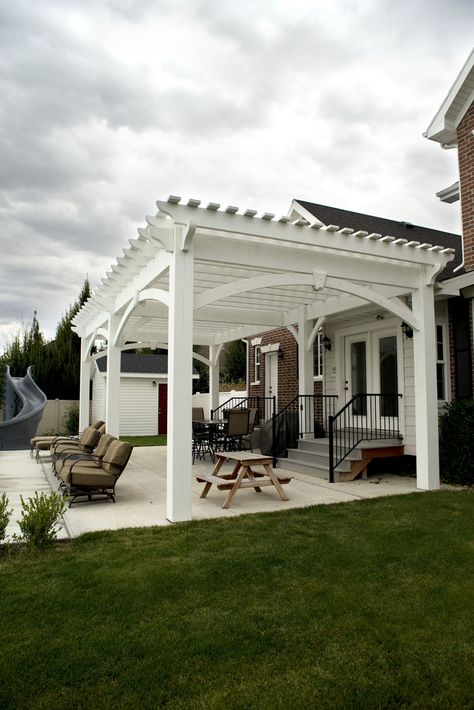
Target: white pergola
{"points": [[207, 276]]}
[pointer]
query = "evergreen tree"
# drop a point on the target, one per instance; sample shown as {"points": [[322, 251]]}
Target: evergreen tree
{"points": [[57, 363], [235, 363], [66, 352]]}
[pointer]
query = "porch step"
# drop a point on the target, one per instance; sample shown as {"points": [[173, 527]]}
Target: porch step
{"points": [[310, 469], [312, 458]]}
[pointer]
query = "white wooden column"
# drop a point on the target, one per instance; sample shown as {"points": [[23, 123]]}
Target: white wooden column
{"points": [[180, 362], [305, 373], [84, 385], [112, 392], [426, 398], [214, 351]]}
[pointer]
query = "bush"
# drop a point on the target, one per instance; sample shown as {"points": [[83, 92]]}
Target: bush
{"points": [[39, 519], [71, 419], [456, 442], [4, 516]]}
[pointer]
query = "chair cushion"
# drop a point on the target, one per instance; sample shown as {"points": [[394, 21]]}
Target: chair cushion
{"points": [[92, 479], [116, 457], [104, 443]]}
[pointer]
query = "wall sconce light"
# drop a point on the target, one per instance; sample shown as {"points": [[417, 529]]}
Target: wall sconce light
{"points": [[407, 331], [327, 345], [154, 383], [280, 353]]}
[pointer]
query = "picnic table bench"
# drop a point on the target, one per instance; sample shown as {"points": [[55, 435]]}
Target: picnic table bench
{"points": [[243, 475]]}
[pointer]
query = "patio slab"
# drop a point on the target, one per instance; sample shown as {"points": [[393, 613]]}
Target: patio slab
{"points": [[141, 493]]}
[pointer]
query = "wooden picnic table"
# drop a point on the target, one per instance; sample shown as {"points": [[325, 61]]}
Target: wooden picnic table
{"points": [[243, 475]]}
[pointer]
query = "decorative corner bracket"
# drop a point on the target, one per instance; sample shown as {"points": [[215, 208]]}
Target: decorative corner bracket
{"points": [[188, 235]]}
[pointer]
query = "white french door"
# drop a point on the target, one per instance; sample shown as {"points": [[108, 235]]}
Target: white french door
{"points": [[371, 366], [357, 375]]}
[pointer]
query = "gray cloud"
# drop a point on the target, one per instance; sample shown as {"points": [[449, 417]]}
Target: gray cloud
{"points": [[108, 105]]}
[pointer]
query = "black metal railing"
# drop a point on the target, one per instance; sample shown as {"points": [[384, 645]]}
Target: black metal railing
{"points": [[265, 406], [306, 414], [366, 417]]}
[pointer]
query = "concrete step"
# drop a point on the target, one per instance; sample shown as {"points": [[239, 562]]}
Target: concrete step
{"points": [[291, 464], [314, 459]]}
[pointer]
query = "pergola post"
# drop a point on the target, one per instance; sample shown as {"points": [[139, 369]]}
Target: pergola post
{"points": [[180, 363], [84, 385], [112, 393], [426, 403], [214, 351], [305, 375]]}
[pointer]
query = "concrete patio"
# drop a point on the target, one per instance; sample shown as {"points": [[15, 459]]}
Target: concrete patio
{"points": [[141, 493]]}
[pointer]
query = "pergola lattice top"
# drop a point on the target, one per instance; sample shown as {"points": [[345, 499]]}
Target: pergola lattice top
{"points": [[252, 274]]}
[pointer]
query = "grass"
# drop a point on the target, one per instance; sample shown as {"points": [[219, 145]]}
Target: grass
{"points": [[361, 605], [158, 440]]}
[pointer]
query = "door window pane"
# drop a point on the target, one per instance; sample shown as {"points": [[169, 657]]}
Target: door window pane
{"points": [[359, 376], [388, 376]]}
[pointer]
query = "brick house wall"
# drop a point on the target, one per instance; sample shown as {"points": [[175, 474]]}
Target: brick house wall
{"points": [[466, 182], [465, 140], [287, 367]]}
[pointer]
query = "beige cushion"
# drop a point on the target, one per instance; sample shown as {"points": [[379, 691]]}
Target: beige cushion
{"points": [[90, 479], [116, 457]]}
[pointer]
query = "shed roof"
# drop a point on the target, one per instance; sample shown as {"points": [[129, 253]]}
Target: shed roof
{"points": [[140, 363]]}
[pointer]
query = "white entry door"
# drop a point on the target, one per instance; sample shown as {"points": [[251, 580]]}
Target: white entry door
{"points": [[271, 380]]}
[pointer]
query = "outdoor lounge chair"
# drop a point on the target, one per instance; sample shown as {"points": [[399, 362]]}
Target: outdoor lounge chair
{"points": [[84, 479], [43, 443], [86, 443], [94, 458]]}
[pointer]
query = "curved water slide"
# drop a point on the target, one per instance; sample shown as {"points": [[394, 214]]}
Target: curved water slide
{"points": [[23, 407]]}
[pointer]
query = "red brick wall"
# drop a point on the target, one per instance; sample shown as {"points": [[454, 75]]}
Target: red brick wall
{"points": [[466, 179], [287, 367]]}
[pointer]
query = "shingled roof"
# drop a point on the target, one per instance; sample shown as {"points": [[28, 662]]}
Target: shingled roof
{"points": [[140, 364], [406, 230]]}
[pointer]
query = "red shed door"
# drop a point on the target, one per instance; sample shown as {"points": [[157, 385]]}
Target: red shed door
{"points": [[162, 409]]}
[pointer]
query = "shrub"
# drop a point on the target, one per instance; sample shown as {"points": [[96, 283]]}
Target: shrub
{"points": [[4, 516], [39, 519], [456, 442], [71, 419]]}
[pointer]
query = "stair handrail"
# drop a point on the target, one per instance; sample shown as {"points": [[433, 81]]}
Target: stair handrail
{"points": [[301, 399], [359, 433], [237, 402]]}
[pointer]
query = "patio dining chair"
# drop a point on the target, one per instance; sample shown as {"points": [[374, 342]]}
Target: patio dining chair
{"points": [[84, 480], [246, 439], [236, 427], [198, 414]]}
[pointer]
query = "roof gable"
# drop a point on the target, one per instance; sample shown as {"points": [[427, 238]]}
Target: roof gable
{"points": [[405, 230], [460, 96]]}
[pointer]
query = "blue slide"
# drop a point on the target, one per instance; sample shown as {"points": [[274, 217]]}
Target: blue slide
{"points": [[23, 407]]}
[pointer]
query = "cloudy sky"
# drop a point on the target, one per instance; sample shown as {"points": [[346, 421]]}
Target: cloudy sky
{"points": [[108, 105]]}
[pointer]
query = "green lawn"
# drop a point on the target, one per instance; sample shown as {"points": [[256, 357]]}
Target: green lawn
{"points": [[361, 605], [158, 440]]}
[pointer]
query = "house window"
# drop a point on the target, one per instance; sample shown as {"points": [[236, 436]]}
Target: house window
{"points": [[257, 364], [440, 362], [318, 355]]}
